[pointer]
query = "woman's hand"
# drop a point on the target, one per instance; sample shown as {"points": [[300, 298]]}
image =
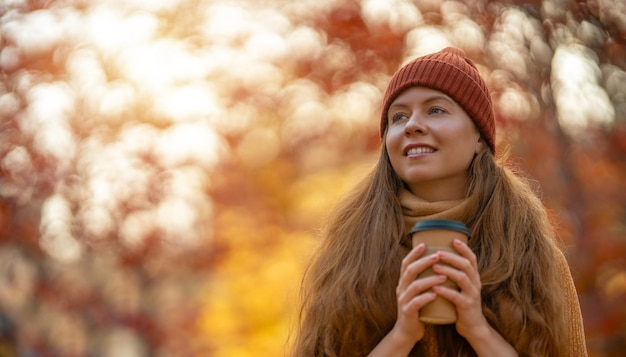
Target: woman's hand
{"points": [[471, 322], [412, 294], [463, 270]]}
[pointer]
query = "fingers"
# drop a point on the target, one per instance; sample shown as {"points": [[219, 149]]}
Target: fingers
{"points": [[415, 253], [414, 293], [413, 264], [465, 261], [467, 293], [418, 294], [465, 251], [461, 269]]}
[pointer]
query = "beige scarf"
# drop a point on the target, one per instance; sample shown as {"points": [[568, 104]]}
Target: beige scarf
{"points": [[415, 209]]}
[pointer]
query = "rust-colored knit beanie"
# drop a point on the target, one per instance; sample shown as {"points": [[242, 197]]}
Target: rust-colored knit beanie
{"points": [[452, 73]]}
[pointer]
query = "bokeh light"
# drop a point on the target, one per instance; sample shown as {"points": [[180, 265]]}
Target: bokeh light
{"points": [[165, 166]]}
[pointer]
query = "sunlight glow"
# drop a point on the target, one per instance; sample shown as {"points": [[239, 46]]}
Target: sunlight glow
{"points": [[266, 46], [580, 99], [305, 113], [9, 104], [189, 102], [469, 33], [416, 46], [508, 41], [115, 99], [56, 237], [226, 23], [136, 228], [98, 220], [184, 215], [190, 143], [178, 220], [50, 107], [358, 104], [399, 15], [37, 32], [230, 23], [111, 30], [305, 42], [518, 105], [140, 5], [159, 63]]}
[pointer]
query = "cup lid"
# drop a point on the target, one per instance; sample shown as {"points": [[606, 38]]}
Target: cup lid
{"points": [[440, 224]]}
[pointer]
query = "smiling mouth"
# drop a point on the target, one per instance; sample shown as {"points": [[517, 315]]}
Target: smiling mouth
{"points": [[420, 150]]}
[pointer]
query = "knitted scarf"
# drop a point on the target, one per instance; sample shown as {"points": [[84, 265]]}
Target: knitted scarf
{"points": [[415, 209]]}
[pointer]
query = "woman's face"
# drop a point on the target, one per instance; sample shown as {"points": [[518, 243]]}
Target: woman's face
{"points": [[431, 142]]}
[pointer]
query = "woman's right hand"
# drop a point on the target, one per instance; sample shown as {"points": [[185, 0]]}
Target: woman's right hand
{"points": [[412, 293]]}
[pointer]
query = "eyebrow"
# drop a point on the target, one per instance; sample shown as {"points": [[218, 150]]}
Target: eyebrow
{"points": [[430, 99]]}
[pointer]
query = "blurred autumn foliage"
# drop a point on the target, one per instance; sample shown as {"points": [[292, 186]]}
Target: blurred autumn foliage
{"points": [[165, 165]]}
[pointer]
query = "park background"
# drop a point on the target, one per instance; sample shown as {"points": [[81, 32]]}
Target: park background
{"points": [[166, 166]]}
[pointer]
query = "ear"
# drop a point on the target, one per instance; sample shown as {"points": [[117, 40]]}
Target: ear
{"points": [[480, 145]]}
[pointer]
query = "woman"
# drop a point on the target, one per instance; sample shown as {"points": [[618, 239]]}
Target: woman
{"points": [[361, 295]]}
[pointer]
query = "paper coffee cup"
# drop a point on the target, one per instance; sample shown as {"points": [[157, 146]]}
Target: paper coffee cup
{"points": [[438, 235]]}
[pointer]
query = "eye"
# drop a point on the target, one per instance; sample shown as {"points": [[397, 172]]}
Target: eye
{"points": [[396, 117], [437, 110]]}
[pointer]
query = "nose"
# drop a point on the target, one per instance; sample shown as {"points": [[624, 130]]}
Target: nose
{"points": [[415, 125]]}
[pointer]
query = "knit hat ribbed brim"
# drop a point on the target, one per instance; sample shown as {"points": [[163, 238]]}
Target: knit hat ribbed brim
{"points": [[452, 73]]}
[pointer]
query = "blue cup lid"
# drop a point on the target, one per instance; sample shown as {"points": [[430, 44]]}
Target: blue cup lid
{"points": [[440, 224]]}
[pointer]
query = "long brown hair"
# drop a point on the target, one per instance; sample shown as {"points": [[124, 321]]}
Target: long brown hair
{"points": [[348, 291]]}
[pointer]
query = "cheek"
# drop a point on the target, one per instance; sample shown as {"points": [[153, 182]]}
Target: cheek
{"points": [[466, 151], [462, 143], [394, 135], [389, 140], [464, 135], [394, 149]]}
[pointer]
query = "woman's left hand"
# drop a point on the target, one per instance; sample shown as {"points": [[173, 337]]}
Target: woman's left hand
{"points": [[471, 322], [463, 270]]}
